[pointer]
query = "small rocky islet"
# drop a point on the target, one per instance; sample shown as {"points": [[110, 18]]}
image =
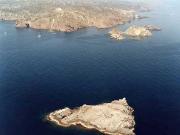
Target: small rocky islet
{"points": [[114, 118], [134, 32]]}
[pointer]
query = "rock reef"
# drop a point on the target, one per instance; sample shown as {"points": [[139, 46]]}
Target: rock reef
{"points": [[115, 118]]}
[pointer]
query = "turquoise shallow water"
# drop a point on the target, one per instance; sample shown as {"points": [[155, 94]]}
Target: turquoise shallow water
{"points": [[39, 75]]}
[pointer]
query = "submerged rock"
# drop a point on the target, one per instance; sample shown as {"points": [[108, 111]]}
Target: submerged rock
{"points": [[115, 118]]}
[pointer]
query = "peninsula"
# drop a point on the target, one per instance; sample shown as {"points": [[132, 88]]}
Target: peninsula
{"points": [[115, 118], [68, 16]]}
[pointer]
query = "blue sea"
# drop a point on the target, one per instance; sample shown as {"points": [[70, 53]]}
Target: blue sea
{"points": [[41, 71]]}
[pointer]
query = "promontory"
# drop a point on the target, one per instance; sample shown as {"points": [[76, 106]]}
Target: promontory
{"points": [[68, 15]]}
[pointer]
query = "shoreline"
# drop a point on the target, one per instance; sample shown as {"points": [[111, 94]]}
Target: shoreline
{"points": [[78, 123], [48, 30], [54, 30]]}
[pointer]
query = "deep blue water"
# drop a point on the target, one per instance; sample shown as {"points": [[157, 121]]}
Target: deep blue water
{"points": [[40, 75]]}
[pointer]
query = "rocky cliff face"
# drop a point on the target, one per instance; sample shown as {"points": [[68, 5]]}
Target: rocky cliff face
{"points": [[113, 118]]}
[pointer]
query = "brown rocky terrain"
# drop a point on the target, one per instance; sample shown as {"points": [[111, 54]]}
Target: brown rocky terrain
{"points": [[134, 32], [67, 16], [138, 31], [115, 118], [114, 33], [72, 18]]}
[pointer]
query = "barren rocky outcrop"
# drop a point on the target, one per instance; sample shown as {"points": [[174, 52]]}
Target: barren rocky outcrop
{"points": [[114, 33], [134, 32], [138, 31], [115, 118]]}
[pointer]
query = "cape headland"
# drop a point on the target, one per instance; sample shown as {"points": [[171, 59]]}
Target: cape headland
{"points": [[115, 118], [68, 16]]}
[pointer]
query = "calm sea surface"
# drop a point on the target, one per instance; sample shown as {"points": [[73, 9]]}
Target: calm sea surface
{"points": [[41, 74]]}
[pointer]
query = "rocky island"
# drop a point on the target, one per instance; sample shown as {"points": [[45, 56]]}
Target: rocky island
{"points": [[67, 16], [115, 118], [138, 31], [134, 32]]}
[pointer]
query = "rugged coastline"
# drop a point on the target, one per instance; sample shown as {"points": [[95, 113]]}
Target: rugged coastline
{"points": [[67, 17], [115, 118]]}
